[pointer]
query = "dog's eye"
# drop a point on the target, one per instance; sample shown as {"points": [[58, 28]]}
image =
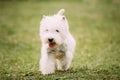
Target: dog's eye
{"points": [[46, 30], [57, 30]]}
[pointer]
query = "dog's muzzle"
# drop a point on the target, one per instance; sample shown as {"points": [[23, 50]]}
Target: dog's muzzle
{"points": [[52, 44], [50, 39]]}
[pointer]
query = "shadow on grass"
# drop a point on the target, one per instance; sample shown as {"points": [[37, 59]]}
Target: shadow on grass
{"points": [[111, 73]]}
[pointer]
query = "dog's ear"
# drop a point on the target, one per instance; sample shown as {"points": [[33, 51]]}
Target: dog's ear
{"points": [[61, 12], [63, 17]]}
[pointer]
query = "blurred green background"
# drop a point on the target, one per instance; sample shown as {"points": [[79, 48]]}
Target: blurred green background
{"points": [[95, 24]]}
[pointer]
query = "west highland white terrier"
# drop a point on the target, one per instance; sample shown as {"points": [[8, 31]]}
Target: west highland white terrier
{"points": [[57, 43]]}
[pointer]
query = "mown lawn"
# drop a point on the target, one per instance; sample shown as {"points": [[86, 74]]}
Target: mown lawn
{"points": [[95, 24]]}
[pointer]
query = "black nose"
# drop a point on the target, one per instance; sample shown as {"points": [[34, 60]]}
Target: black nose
{"points": [[50, 39]]}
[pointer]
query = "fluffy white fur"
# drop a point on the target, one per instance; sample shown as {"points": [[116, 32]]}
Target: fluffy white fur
{"points": [[58, 52]]}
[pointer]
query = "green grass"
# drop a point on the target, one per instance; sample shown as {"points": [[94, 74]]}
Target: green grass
{"points": [[95, 24]]}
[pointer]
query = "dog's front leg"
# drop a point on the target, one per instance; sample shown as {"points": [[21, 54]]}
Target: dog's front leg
{"points": [[68, 59], [64, 63], [47, 64]]}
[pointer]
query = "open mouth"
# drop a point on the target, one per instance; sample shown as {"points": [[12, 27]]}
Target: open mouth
{"points": [[52, 44]]}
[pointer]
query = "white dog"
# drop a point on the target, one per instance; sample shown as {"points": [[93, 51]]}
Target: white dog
{"points": [[57, 43]]}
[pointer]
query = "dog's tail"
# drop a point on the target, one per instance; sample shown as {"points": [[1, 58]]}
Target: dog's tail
{"points": [[61, 12]]}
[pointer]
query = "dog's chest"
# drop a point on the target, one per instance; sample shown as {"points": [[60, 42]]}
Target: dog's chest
{"points": [[58, 52]]}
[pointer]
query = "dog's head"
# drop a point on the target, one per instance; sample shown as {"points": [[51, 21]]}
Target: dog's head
{"points": [[54, 29]]}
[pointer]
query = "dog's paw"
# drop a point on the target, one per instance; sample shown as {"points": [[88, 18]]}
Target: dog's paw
{"points": [[47, 71]]}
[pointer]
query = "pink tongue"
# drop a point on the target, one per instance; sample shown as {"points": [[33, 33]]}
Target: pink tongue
{"points": [[51, 45]]}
